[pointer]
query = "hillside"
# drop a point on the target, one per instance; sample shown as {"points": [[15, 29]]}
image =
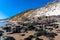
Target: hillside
{"points": [[48, 10]]}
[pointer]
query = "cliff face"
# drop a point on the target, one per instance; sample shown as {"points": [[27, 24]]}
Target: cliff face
{"points": [[48, 10]]}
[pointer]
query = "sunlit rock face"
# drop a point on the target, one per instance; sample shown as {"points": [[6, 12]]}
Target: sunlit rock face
{"points": [[48, 10]]}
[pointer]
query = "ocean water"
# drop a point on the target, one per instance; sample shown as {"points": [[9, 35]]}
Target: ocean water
{"points": [[3, 23]]}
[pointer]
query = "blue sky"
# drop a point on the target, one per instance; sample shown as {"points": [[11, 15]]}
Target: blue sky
{"points": [[9, 8]]}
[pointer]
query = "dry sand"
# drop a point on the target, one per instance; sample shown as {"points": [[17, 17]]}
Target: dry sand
{"points": [[17, 36]]}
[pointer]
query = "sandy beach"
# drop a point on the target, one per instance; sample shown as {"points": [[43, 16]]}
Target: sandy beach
{"points": [[17, 36]]}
